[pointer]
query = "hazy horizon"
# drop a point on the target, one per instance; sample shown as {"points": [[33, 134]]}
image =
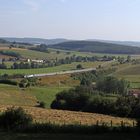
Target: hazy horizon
{"points": [[71, 19]]}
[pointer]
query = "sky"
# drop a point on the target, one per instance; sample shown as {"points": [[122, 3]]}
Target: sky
{"points": [[71, 19]]}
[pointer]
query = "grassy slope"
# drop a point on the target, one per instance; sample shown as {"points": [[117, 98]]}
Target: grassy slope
{"points": [[130, 73], [12, 95]]}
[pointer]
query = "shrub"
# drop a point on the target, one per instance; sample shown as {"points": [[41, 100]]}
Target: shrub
{"points": [[9, 82], [41, 105], [14, 118], [79, 66]]}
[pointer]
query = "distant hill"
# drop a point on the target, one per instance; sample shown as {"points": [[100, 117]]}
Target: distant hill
{"points": [[97, 47], [35, 40], [3, 41], [128, 43]]}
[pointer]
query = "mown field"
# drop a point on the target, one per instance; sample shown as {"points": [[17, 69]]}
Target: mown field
{"points": [[62, 117], [65, 67]]}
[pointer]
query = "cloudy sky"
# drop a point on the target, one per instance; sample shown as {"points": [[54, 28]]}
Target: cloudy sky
{"points": [[72, 19]]}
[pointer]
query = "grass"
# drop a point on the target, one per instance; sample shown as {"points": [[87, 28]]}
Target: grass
{"points": [[12, 95], [50, 69], [58, 80], [46, 94], [130, 73]]}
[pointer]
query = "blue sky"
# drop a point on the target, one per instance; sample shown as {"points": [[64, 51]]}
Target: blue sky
{"points": [[72, 19]]}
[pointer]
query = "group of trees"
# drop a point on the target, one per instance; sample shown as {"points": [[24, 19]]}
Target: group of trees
{"points": [[27, 82], [113, 85], [25, 65], [87, 99], [10, 53]]}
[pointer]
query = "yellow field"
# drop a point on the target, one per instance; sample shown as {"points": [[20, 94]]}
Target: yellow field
{"points": [[71, 117]]}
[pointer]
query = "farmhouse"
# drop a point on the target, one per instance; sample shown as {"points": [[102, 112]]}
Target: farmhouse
{"points": [[37, 61], [34, 60]]}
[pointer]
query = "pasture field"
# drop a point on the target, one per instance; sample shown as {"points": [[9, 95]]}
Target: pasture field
{"points": [[12, 95], [65, 67]]}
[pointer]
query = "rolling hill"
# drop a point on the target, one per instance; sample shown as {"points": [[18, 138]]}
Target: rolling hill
{"points": [[97, 47], [35, 40]]}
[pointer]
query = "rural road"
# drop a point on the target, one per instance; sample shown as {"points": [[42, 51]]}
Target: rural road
{"points": [[66, 72], [60, 73]]}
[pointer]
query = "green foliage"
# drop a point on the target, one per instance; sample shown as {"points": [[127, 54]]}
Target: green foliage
{"points": [[10, 53], [14, 117], [71, 100], [111, 84], [79, 66], [24, 83], [9, 82], [86, 99]]}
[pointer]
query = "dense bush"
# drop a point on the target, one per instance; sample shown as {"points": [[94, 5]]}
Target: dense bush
{"points": [[9, 82], [99, 104], [14, 118]]}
